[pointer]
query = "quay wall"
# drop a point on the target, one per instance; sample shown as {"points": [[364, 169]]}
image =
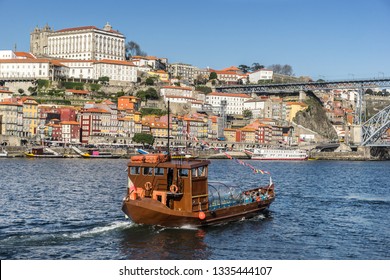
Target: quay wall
{"points": [[363, 154]]}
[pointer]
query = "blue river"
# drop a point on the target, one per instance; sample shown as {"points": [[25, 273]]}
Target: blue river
{"points": [[71, 209]]}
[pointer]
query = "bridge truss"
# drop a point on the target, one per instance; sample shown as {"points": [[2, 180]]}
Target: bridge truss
{"points": [[306, 86], [375, 127]]}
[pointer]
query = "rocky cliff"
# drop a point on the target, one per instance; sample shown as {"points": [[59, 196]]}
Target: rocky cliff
{"points": [[314, 118]]}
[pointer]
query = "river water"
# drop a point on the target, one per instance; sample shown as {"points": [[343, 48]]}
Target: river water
{"points": [[71, 209]]}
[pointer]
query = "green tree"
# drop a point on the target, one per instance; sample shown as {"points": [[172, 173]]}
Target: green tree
{"points": [[143, 138], [244, 68], [149, 81], [256, 66], [104, 80], [213, 76], [204, 89], [247, 114], [152, 94]]}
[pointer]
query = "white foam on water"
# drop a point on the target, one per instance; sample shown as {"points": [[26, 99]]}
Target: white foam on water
{"points": [[369, 198], [103, 229]]}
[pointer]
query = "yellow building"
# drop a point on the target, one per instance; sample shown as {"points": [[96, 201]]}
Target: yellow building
{"points": [[159, 130], [247, 135], [30, 116], [230, 134], [293, 108], [161, 74]]}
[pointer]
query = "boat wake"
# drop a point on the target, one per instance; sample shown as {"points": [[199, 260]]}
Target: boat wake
{"points": [[101, 229], [33, 239], [369, 199]]}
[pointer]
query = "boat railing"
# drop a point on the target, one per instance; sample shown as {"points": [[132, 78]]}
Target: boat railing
{"points": [[222, 195]]}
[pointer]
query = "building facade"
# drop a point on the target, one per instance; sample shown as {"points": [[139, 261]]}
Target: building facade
{"points": [[234, 102], [84, 43]]}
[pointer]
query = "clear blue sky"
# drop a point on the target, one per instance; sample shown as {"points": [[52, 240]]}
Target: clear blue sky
{"points": [[331, 39]]}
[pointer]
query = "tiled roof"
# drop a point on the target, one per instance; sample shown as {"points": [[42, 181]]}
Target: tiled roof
{"points": [[178, 88], [85, 28], [117, 62]]}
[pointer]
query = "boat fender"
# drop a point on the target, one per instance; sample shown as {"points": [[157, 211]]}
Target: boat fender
{"points": [[201, 215], [174, 188], [148, 186]]}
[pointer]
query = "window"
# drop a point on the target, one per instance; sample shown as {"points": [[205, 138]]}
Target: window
{"points": [[147, 171], [183, 172], [202, 171], [135, 170], [158, 171]]}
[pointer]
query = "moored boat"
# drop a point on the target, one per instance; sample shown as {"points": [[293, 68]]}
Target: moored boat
{"points": [[173, 193], [95, 153], [43, 152], [276, 154], [3, 153]]}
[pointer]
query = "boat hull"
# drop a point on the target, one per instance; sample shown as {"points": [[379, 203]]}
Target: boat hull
{"points": [[100, 156], [43, 156], [151, 212], [262, 158], [277, 154]]}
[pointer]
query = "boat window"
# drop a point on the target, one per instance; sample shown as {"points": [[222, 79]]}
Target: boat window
{"points": [[194, 172], [201, 171], [148, 171], [183, 172], [135, 170], [158, 171]]}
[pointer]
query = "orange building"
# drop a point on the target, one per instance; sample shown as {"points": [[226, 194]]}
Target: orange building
{"points": [[128, 103]]}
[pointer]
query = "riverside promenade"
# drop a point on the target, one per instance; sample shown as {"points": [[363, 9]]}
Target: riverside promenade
{"points": [[363, 154]]}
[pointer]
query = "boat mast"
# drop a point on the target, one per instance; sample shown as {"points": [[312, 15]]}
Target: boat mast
{"points": [[168, 129]]}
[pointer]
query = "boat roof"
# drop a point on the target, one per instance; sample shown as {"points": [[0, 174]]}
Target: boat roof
{"points": [[179, 163]]}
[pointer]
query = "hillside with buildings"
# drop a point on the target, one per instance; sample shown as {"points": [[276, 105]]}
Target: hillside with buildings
{"points": [[78, 86]]}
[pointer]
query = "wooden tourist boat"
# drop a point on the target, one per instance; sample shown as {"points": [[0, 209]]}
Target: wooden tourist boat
{"points": [[174, 193]]}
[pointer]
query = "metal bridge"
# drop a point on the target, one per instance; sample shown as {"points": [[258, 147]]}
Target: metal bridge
{"points": [[306, 86], [374, 128]]}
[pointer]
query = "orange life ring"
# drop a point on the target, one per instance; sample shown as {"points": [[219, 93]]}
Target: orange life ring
{"points": [[173, 188], [148, 186]]}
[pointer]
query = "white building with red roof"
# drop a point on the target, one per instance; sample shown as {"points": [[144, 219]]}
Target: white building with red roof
{"points": [[234, 102]]}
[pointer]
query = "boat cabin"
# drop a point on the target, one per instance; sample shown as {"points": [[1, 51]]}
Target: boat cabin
{"points": [[181, 185]]}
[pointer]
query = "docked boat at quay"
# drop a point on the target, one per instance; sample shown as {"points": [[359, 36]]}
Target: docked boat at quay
{"points": [[43, 152], [276, 154], [3, 153], [173, 193], [94, 153]]}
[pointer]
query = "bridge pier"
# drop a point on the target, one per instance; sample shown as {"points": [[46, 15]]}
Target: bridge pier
{"points": [[302, 95]]}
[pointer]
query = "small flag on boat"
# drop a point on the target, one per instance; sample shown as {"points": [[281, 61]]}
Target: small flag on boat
{"points": [[131, 186]]}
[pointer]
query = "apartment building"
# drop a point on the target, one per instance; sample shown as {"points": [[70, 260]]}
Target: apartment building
{"points": [[234, 102]]}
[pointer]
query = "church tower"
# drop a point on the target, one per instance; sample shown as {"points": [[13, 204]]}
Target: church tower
{"points": [[39, 40]]}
